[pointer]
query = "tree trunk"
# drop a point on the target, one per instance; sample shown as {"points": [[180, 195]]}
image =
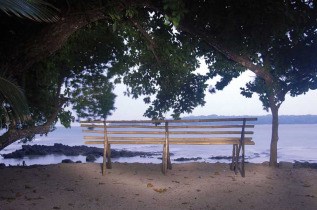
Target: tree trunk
{"points": [[274, 139], [12, 135]]}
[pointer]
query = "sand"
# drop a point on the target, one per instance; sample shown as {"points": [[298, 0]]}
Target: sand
{"points": [[143, 186]]}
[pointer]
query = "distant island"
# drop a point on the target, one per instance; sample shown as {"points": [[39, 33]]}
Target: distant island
{"points": [[267, 119]]}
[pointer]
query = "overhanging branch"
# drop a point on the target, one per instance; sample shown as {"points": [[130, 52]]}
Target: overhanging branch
{"points": [[214, 43], [147, 37]]}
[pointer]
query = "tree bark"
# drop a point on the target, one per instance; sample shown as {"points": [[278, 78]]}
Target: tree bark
{"points": [[274, 138], [13, 134]]}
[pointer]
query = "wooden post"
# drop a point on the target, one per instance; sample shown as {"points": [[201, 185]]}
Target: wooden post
{"points": [[105, 149], [233, 157], [164, 164], [169, 164], [109, 165], [165, 150], [236, 165]]}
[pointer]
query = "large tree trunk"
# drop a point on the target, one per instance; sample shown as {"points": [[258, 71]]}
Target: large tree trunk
{"points": [[274, 139], [12, 135]]}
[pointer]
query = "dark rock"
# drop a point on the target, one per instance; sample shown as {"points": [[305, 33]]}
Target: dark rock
{"points": [[78, 161], [221, 157], [285, 165], [2, 165], [298, 164], [90, 158], [72, 151], [313, 165], [67, 161], [187, 159]]}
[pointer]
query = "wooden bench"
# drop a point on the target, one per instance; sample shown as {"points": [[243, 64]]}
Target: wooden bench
{"points": [[173, 132]]}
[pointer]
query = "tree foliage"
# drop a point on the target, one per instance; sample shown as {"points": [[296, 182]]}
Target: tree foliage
{"points": [[162, 63], [76, 76], [274, 39], [36, 10], [14, 108], [153, 47]]}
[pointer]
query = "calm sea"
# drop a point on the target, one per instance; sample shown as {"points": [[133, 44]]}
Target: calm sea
{"points": [[296, 142]]}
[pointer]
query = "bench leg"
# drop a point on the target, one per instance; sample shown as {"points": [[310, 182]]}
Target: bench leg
{"points": [[232, 167], [109, 165], [240, 166], [104, 159], [169, 163], [164, 160], [242, 163], [237, 160]]}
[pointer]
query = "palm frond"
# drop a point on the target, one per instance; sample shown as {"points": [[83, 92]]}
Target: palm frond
{"points": [[36, 10], [12, 96]]}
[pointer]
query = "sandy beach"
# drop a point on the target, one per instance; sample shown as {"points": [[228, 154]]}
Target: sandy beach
{"points": [[143, 186]]}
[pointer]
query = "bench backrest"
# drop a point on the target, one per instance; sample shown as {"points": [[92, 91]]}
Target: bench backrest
{"points": [[192, 132]]}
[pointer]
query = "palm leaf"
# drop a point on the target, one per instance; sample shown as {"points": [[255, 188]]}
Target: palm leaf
{"points": [[36, 10], [12, 95]]}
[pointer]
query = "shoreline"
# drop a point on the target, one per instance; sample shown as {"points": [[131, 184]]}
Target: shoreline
{"points": [[143, 186], [297, 142], [85, 154]]}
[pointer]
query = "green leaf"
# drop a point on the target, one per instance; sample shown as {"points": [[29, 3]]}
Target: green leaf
{"points": [[13, 96], [36, 10]]}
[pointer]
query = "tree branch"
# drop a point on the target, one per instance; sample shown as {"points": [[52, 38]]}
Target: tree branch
{"points": [[14, 134], [147, 37], [213, 42]]}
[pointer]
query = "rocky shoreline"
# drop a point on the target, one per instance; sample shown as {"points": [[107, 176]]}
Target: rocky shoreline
{"points": [[73, 151], [92, 153]]}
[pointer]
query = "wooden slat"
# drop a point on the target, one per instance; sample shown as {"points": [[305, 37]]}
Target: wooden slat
{"points": [[209, 126], [136, 132], [172, 142], [94, 142], [172, 139], [209, 143], [209, 132], [92, 131], [172, 121], [136, 142], [92, 121], [170, 127], [213, 120], [209, 139], [125, 121], [135, 138], [123, 138], [92, 126], [93, 137], [135, 126]]}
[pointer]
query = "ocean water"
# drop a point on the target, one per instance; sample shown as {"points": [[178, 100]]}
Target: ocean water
{"points": [[296, 142]]}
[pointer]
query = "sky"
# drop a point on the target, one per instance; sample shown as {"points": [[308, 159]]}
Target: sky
{"points": [[226, 102]]}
